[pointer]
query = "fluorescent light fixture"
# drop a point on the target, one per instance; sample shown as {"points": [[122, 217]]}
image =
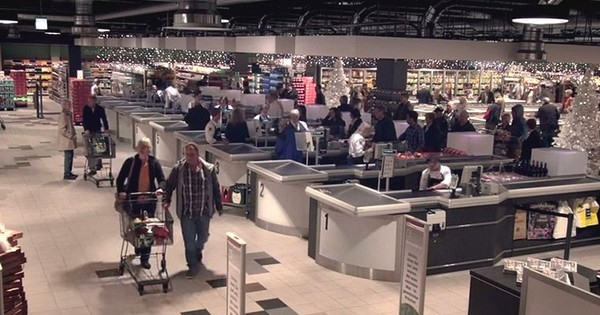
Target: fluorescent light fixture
{"points": [[8, 22], [52, 33], [540, 21], [41, 23], [103, 30], [541, 15], [224, 21]]}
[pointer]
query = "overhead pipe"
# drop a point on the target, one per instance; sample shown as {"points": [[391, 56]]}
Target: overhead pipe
{"points": [[139, 11], [54, 18], [85, 24]]}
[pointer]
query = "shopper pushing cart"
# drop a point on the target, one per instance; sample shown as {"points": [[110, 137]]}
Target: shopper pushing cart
{"points": [[94, 120]]}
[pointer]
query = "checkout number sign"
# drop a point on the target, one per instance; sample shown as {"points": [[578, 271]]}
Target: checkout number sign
{"points": [[236, 275], [414, 266], [387, 167]]}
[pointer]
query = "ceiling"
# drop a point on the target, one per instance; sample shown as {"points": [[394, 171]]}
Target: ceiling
{"points": [[451, 19]]}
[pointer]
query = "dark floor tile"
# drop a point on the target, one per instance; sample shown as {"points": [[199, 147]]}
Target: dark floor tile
{"points": [[282, 311], [271, 304], [14, 148], [267, 261], [45, 142], [20, 158], [217, 283], [257, 255], [11, 167], [26, 147], [22, 164], [198, 312], [108, 273], [254, 287]]}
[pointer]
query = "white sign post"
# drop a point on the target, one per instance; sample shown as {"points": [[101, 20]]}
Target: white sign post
{"points": [[236, 275], [414, 266], [387, 168]]}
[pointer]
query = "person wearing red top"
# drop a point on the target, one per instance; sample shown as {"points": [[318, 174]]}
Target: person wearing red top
{"points": [[568, 101]]}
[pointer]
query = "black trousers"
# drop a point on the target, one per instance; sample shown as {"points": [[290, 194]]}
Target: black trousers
{"points": [[137, 210]]}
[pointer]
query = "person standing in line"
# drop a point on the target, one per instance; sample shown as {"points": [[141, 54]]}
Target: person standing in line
{"points": [[67, 139], [442, 124], [141, 173], [433, 135], [344, 106], [95, 90], [548, 114], [492, 115], [414, 134], [212, 131], [533, 140], [198, 197], [94, 120], [198, 116], [237, 129], [567, 102], [385, 130], [518, 132], [355, 123], [462, 123], [320, 98], [403, 108], [486, 96], [424, 95], [172, 96]]}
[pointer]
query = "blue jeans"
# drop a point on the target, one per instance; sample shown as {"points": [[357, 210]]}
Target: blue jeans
{"points": [[195, 235], [68, 162]]}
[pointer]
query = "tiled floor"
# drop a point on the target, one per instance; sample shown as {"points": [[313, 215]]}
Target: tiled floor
{"points": [[71, 232]]}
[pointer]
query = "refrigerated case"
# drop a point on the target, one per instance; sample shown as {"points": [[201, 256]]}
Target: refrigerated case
{"points": [[456, 81]]}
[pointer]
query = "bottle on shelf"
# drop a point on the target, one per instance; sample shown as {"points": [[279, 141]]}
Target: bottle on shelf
{"points": [[545, 170]]}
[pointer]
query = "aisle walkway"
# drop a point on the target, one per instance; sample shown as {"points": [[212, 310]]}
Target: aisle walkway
{"points": [[72, 233]]}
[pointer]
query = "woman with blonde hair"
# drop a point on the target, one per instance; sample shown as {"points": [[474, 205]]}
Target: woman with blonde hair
{"points": [[237, 129], [141, 173]]}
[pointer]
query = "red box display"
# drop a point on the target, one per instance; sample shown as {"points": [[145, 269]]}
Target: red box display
{"points": [[79, 91]]}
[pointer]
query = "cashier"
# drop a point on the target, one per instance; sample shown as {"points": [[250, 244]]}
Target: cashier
{"points": [[435, 176]]}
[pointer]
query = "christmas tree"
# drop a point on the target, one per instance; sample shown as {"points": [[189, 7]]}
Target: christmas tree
{"points": [[581, 130], [337, 85]]}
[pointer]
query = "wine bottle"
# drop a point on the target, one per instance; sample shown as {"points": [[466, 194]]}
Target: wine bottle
{"points": [[545, 170], [535, 169]]}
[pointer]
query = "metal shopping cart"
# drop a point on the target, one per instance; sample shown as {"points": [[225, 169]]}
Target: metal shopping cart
{"points": [[140, 229], [99, 146]]}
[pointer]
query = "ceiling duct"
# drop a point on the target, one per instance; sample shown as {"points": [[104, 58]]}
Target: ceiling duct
{"points": [[85, 23], [532, 45], [197, 14]]}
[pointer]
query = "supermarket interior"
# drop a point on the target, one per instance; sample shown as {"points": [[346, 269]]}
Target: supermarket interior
{"points": [[345, 157]]}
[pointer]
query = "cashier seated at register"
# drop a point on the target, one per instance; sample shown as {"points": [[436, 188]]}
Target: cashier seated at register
{"points": [[435, 176]]}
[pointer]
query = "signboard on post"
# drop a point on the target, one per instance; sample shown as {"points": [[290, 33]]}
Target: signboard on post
{"points": [[387, 167], [414, 266], [236, 275]]}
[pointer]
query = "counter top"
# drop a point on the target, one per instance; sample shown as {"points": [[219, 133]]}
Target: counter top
{"points": [[129, 109], [556, 185], [357, 200], [196, 136], [238, 152], [169, 125], [287, 171], [147, 116]]}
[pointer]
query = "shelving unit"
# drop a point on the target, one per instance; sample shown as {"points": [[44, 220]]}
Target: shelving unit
{"points": [[100, 71], [36, 70], [59, 90], [7, 94], [129, 80], [356, 76], [455, 81]]}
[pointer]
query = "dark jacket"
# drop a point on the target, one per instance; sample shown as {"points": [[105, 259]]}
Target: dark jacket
{"points": [[197, 118], [156, 174], [490, 97], [285, 145], [94, 120], [336, 127], [495, 111], [345, 107], [237, 132], [532, 142], [385, 130], [549, 116], [354, 126], [433, 138], [444, 127], [468, 127], [320, 99], [402, 111], [424, 96]]}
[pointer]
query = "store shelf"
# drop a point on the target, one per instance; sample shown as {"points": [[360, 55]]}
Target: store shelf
{"points": [[356, 76], [35, 70], [59, 85], [100, 71]]}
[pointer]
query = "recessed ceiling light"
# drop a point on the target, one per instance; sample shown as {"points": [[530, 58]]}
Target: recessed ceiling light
{"points": [[6, 22], [541, 15], [540, 21], [52, 33], [224, 21], [103, 30]]}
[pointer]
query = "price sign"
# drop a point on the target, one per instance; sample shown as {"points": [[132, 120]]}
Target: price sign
{"points": [[236, 275], [414, 265], [387, 166]]}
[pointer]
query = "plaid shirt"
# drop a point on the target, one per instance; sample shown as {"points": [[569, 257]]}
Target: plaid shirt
{"points": [[194, 191], [414, 136]]}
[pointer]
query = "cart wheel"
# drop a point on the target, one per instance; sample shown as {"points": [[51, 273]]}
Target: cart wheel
{"points": [[121, 268], [165, 287], [112, 183], [97, 184], [141, 289], [84, 175]]}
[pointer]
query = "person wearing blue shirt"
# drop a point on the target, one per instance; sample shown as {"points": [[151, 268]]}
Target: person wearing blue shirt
{"points": [[414, 134], [285, 145]]}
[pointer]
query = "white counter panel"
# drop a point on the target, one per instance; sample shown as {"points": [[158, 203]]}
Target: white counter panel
{"points": [[125, 130], [363, 242], [111, 116], [282, 208], [165, 147], [231, 173]]}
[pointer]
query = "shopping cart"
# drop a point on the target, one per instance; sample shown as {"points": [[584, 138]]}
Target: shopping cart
{"points": [[99, 146], [140, 230]]}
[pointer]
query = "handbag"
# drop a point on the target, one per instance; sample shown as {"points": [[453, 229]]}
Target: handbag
{"points": [[118, 202]]}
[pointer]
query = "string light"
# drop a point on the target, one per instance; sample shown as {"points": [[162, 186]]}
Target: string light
{"points": [[152, 56]]}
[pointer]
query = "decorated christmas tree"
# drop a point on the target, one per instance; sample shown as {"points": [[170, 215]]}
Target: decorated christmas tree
{"points": [[581, 130], [337, 85]]}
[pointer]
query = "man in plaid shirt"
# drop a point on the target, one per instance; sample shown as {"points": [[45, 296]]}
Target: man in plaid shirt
{"points": [[198, 196], [414, 134]]}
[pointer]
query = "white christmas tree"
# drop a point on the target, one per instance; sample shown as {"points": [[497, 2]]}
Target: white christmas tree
{"points": [[337, 85], [581, 130]]}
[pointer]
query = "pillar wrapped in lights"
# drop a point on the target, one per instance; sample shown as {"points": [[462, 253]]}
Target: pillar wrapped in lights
{"points": [[581, 130]]}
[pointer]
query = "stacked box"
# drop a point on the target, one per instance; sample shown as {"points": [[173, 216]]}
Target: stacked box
{"points": [[13, 273], [79, 92], [20, 78], [7, 94], [306, 90]]}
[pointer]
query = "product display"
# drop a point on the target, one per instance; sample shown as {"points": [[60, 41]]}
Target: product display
{"points": [[79, 91], [306, 89], [12, 259], [100, 71], [59, 84], [36, 71], [7, 94], [540, 225], [20, 80]]}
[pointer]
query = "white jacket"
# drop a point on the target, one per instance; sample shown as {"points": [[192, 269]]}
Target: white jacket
{"points": [[356, 143]]}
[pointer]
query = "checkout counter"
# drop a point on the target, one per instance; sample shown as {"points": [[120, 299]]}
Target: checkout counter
{"points": [[141, 124], [468, 231], [231, 159], [164, 142], [184, 137]]}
